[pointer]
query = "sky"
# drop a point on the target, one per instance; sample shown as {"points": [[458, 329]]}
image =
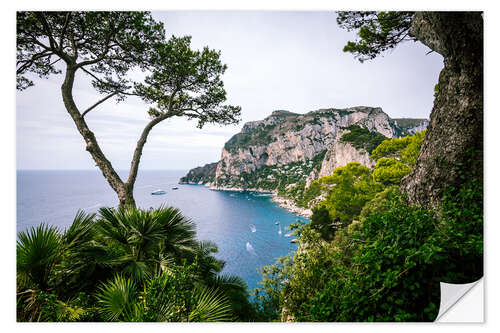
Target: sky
{"points": [[276, 60]]}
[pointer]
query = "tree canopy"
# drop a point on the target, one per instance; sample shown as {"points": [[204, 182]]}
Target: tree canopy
{"points": [[378, 31], [110, 47]]}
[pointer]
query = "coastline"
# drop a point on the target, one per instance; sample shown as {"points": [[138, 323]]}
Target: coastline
{"points": [[282, 202]]}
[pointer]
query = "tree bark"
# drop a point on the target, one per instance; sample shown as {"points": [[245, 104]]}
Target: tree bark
{"points": [[139, 147], [456, 121], [123, 190]]}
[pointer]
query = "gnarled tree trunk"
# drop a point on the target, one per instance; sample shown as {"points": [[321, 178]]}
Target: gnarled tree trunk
{"points": [[123, 190], [456, 121]]}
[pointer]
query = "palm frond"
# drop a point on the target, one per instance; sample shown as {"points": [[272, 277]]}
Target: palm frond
{"points": [[38, 250], [210, 306], [180, 231], [230, 283], [117, 298], [80, 231]]}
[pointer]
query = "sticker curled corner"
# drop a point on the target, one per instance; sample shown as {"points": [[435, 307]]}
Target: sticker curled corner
{"points": [[461, 302]]}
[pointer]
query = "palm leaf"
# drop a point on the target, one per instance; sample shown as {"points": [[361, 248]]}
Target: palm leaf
{"points": [[38, 250], [209, 306], [117, 298], [80, 231]]}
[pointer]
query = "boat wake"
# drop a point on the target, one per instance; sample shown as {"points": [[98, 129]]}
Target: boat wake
{"points": [[250, 249], [145, 186]]}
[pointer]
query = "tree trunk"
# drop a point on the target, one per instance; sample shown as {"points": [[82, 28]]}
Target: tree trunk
{"points": [[456, 121], [123, 190]]}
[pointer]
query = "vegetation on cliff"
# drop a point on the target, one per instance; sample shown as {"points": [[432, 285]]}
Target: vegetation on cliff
{"points": [[200, 175], [362, 138], [386, 262]]}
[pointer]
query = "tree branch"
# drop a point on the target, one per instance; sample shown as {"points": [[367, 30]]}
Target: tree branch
{"points": [[46, 26], [140, 145], [99, 102], [63, 31], [26, 63], [103, 54]]}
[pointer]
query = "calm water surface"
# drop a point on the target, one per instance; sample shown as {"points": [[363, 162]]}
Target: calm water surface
{"points": [[242, 224]]}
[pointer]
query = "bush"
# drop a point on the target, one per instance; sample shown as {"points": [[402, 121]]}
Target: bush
{"points": [[351, 187], [361, 137], [388, 266], [389, 171]]}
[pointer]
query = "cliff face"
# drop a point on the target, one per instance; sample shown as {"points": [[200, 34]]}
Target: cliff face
{"points": [[341, 153], [200, 175], [284, 138], [285, 152]]}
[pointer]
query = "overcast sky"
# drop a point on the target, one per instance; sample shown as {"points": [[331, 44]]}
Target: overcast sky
{"points": [[276, 60]]}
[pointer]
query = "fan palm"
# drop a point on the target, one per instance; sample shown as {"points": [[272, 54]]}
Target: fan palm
{"points": [[209, 306], [236, 290], [119, 301], [208, 265], [139, 241], [180, 232], [38, 250]]}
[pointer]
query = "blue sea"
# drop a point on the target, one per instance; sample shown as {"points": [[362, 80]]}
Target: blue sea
{"points": [[242, 224]]}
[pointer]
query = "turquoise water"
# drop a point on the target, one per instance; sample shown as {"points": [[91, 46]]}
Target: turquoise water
{"points": [[242, 224]]}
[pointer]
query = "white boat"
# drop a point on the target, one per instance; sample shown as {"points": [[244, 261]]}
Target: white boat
{"points": [[288, 234], [252, 227], [276, 223], [158, 192], [295, 240], [175, 188]]}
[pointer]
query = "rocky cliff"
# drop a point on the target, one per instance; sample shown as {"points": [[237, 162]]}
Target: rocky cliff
{"points": [[200, 175], [286, 151], [291, 142]]}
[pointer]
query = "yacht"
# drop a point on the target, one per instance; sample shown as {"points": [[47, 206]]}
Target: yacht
{"points": [[158, 192]]}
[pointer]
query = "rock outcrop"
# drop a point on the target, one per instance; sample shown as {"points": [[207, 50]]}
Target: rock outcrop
{"points": [[341, 153], [286, 151], [200, 175], [286, 137]]}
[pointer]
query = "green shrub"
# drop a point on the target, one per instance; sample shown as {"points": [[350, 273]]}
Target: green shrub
{"points": [[361, 137], [388, 266], [350, 188], [389, 171]]}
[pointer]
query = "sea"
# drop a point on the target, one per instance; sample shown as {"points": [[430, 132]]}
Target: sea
{"points": [[242, 224]]}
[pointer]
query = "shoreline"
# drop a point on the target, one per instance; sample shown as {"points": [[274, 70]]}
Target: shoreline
{"points": [[282, 202]]}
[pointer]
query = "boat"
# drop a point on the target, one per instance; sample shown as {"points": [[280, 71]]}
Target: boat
{"points": [[158, 192], [175, 188], [288, 234], [295, 240], [276, 223]]}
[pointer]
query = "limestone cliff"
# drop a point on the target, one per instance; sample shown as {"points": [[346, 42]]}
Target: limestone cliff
{"points": [[286, 138], [286, 151], [341, 153], [200, 175]]}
